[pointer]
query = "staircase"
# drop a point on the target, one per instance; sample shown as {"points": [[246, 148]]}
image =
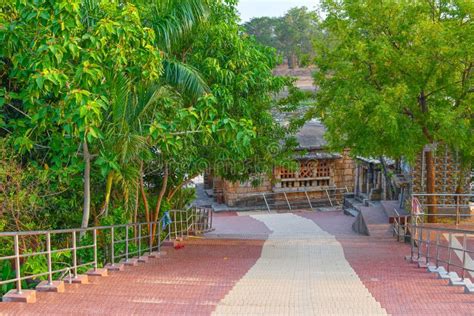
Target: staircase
{"points": [[376, 221], [373, 218]]}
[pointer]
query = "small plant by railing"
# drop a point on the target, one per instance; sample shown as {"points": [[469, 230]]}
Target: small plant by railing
{"points": [[70, 252]]}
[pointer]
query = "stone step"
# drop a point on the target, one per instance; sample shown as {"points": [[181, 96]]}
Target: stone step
{"points": [[434, 269], [460, 282], [26, 296], [469, 289], [447, 275], [422, 264], [351, 212]]}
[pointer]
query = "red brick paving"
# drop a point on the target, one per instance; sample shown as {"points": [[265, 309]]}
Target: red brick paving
{"points": [[244, 227], [188, 281], [401, 287], [224, 214], [194, 279]]}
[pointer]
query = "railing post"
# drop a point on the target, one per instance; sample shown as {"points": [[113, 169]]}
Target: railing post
{"points": [[449, 250], [405, 228], [112, 246], [458, 216], [94, 237], [187, 224], [150, 230], [412, 241], [309, 201], [329, 198], [420, 242], [159, 236], [169, 230], [74, 254], [428, 246], [139, 240], [175, 225], [266, 203], [48, 251], [287, 202], [181, 224], [126, 243], [464, 249], [437, 249], [205, 218], [212, 216], [17, 264]]}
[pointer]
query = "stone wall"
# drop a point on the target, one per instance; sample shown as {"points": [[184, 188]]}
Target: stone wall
{"points": [[235, 191], [242, 193], [344, 172], [447, 172]]}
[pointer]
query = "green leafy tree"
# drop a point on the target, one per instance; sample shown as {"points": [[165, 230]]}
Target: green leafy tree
{"points": [[396, 76], [263, 29], [132, 99], [292, 35], [56, 55], [239, 72]]}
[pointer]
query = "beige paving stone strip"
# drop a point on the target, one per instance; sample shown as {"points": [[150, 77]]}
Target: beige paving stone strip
{"points": [[302, 271]]}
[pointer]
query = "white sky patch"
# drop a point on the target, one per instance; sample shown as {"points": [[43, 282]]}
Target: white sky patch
{"points": [[273, 8]]}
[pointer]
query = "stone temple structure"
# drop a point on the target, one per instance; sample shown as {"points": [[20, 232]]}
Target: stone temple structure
{"points": [[321, 175], [400, 179]]}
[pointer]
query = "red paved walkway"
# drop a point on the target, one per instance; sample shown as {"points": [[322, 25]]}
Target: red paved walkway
{"points": [[401, 287], [194, 279], [240, 227], [189, 281]]}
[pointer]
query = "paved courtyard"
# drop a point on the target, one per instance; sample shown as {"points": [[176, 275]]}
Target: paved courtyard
{"points": [[308, 263]]}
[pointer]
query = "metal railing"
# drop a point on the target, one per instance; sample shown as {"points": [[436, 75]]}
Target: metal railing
{"points": [[400, 226], [196, 220], [439, 245], [304, 199], [444, 246], [82, 244], [449, 207]]}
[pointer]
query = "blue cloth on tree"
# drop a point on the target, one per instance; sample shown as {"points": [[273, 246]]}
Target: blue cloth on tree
{"points": [[166, 219]]}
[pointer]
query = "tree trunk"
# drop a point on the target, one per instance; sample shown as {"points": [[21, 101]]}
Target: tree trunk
{"points": [[108, 191], [178, 187], [160, 199], [87, 185], [143, 194], [430, 186], [429, 162], [137, 201], [292, 61]]}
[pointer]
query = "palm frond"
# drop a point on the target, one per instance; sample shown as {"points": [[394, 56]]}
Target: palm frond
{"points": [[147, 98], [171, 19], [184, 77], [90, 11], [120, 94]]}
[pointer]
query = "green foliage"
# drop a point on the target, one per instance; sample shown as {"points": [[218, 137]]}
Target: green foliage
{"points": [[239, 72], [395, 76], [182, 199], [32, 196], [7, 273], [148, 86], [292, 35]]}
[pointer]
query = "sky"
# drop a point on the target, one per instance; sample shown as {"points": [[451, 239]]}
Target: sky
{"points": [[257, 8]]}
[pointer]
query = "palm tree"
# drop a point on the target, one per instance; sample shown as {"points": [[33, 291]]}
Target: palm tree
{"points": [[171, 20]]}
